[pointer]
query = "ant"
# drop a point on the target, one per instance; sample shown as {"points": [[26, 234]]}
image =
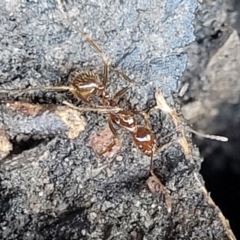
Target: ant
{"points": [[86, 86]]}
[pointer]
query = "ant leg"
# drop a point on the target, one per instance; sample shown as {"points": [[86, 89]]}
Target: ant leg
{"points": [[84, 35], [115, 137], [50, 88], [93, 109], [156, 187], [151, 164], [90, 41], [145, 117], [125, 77], [105, 74], [105, 78], [180, 140], [95, 47], [119, 93], [122, 91]]}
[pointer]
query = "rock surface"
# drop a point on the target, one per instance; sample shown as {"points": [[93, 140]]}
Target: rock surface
{"points": [[56, 187]]}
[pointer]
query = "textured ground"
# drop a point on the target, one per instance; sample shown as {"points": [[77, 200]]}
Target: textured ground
{"points": [[53, 185]]}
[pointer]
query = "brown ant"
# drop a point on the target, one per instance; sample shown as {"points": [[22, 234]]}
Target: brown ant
{"points": [[86, 86], [142, 135]]}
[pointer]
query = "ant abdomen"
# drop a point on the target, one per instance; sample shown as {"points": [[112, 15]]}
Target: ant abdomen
{"points": [[86, 85]]}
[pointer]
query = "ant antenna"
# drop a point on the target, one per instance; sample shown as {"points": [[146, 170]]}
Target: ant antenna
{"points": [[85, 36], [162, 105], [94, 45], [212, 137]]}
